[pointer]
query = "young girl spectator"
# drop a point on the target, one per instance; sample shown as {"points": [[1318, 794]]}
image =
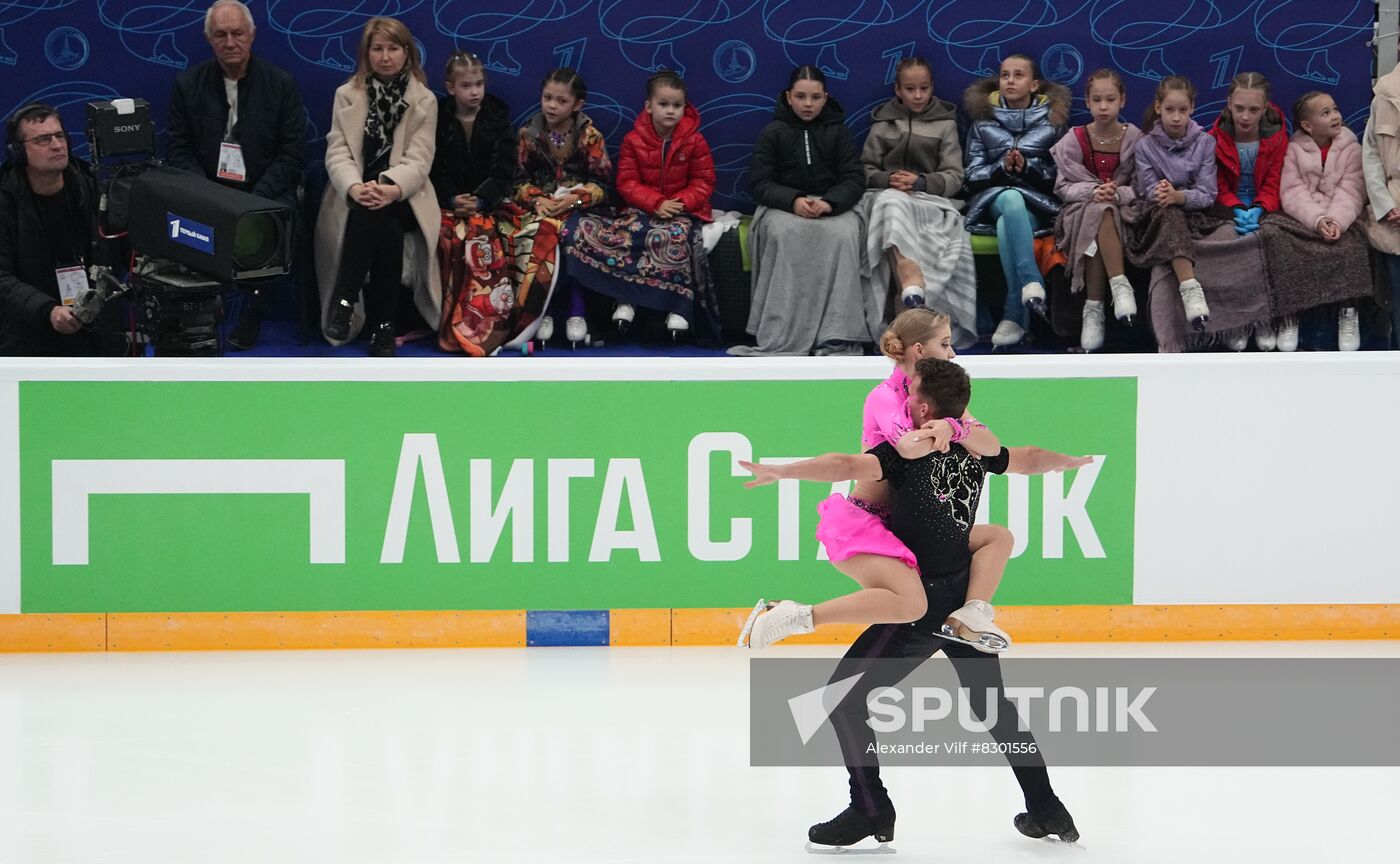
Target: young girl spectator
{"points": [[1170, 230], [913, 161], [1095, 182], [808, 295], [1381, 161], [1319, 255], [472, 173], [651, 254], [1017, 117], [1251, 140], [379, 200], [562, 168]]}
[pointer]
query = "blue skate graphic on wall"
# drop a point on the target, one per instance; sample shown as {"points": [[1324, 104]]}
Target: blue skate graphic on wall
{"points": [[647, 31], [488, 26], [1156, 44], [1302, 34], [147, 30], [328, 36], [14, 11], [811, 34], [977, 34]]}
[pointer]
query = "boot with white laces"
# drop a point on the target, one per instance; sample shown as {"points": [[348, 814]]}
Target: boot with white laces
{"points": [[1091, 331], [1124, 301], [1008, 333], [1348, 329], [1193, 299], [1264, 336]]}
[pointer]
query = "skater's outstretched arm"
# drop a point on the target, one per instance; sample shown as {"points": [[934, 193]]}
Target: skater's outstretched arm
{"points": [[827, 468], [1034, 460]]}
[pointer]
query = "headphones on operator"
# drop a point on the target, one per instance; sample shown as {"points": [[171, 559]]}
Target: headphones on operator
{"points": [[14, 147]]}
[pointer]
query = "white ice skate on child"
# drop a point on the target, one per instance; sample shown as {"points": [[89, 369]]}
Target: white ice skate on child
{"points": [[769, 623], [972, 625]]}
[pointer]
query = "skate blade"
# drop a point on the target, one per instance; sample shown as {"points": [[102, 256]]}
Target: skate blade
{"points": [[748, 624], [818, 849], [987, 643]]}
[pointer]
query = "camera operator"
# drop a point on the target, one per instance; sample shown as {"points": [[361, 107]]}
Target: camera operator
{"points": [[47, 226], [239, 121]]}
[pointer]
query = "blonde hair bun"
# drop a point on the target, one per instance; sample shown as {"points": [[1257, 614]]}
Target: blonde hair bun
{"points": [[911, 327]]}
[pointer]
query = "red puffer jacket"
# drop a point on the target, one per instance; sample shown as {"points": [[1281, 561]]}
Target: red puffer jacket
{"points": [[1268, 165], [687, 173]]}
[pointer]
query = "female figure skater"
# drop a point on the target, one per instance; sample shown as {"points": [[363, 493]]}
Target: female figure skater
{"points": [[855, 529]]}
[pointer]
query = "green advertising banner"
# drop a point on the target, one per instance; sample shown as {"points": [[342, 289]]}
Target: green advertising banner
{"points": [[291, 496]]}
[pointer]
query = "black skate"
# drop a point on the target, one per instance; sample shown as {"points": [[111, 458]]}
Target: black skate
{"points": [[849, 828], [1055, 821]]}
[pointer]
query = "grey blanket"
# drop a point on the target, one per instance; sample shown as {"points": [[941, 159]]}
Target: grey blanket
{"points": [[808, 291], [928, 230]]}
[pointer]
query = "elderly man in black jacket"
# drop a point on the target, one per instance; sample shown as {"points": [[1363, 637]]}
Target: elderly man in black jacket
{"points": [[46, 234], [239, 121]]}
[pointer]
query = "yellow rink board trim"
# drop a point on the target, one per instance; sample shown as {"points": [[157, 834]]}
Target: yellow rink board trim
{"points": [[85, 631], [200, 631], [1107, 624], [197, 631], [640, 626]]}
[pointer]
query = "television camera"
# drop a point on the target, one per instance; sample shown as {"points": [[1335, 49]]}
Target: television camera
{"points": [[188, 236]]}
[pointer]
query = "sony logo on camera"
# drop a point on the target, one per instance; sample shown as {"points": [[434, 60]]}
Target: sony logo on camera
{"points": [[121, 127]]}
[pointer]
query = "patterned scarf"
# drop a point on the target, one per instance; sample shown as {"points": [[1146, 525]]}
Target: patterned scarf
{"points": [[386, 107]]}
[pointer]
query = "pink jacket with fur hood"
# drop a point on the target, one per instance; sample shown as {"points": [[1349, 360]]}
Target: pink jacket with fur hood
{"points": [[1311, 190]]}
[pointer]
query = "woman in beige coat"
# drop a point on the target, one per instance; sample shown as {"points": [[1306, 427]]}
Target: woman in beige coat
{"points": [[379, 203], [1380, 157]]}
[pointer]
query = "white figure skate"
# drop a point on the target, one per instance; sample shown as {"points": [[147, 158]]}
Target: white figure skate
{"points": [[972, 625], [769, 623]]}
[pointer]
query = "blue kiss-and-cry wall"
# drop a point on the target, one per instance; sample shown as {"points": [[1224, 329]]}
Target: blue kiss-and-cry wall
{"points": [[736, 54]]}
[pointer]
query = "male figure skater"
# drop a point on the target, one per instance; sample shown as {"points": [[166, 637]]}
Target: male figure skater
{"points": [[934, 503]]}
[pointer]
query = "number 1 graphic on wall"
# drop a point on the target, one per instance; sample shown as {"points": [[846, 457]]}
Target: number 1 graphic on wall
{"points": [[570, 54], [1227, 64]]}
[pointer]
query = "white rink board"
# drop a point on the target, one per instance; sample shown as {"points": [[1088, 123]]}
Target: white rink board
{"points": [[1260, 478]]}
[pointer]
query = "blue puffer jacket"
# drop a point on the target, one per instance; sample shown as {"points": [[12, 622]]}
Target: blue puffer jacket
{"points": [[996, 130]]}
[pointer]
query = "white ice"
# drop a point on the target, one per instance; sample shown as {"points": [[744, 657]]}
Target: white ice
{"points": [[571, 755]]}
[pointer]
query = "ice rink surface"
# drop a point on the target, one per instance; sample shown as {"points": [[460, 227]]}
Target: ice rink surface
{"points": [[569, 755]]}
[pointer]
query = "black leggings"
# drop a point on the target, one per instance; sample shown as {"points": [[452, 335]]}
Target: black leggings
{"points": [[915, 643], [373, 245]]}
